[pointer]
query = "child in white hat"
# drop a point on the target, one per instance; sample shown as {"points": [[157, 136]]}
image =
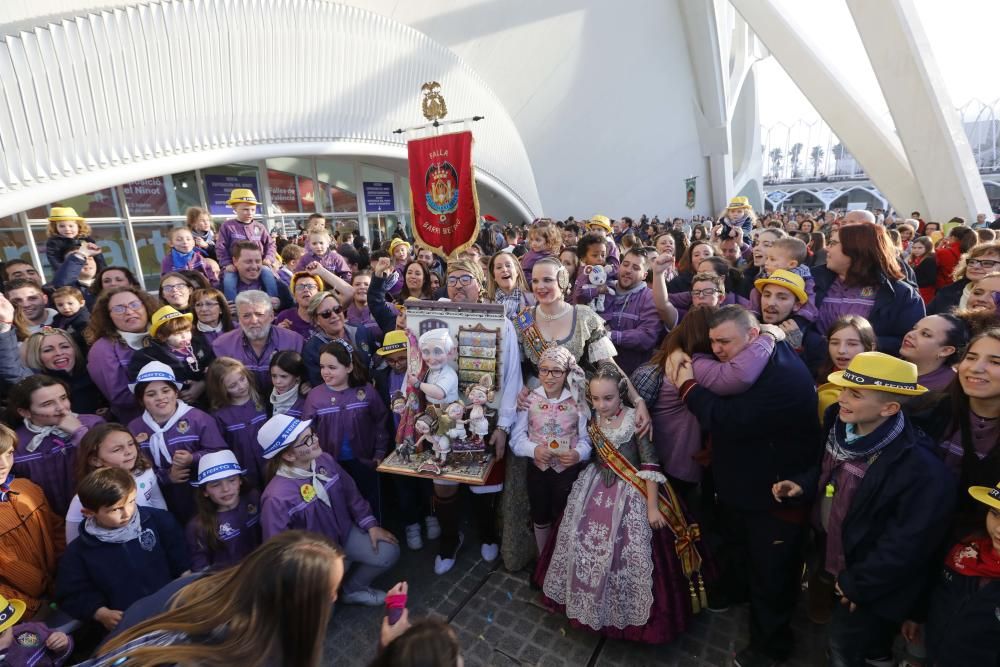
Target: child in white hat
{"points": [[309, 490], [227, 525]]}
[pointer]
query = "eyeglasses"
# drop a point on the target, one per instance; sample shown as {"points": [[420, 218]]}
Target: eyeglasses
{"points": [[176, 287], [464, 280], [330, 312], [306, 287], [984, 263], [207, 304], [134, 306], [311, 440], [711, 291], [551, 372]]}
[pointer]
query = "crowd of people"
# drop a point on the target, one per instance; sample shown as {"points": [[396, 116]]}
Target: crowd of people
{"points": [[748, 408]]}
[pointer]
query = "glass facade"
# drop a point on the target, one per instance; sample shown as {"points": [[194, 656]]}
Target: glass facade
{"points": [[131, 221]]}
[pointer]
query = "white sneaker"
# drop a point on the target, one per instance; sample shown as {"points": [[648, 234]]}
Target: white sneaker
{"points": [[433, 527], [369, 597], [442, 565], [413, 540], [490, 552]]}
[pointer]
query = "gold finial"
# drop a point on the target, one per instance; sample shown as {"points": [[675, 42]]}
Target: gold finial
{"points": [[433, 105]]}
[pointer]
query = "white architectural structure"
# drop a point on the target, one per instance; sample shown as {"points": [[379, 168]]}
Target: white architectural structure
{"points": [[928, 166]]}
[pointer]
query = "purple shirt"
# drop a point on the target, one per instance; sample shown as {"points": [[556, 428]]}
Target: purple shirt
{"points": [[195, 432], [239, 425], [355, 415], [332, 261], [358, 317], [238, 532], [529, 259], [233, 230], [985, 433], [633, 325], [234, 344], [299, 325], [842, 300], [938, 380], [676, 431], [52, 465], [284, 505], [107, 363]]}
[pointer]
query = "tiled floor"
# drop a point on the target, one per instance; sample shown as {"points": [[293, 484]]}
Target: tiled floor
{"points": [[499, 622]]}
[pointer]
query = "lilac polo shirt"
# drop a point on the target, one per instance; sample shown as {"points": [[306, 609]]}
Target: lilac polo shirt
{"points": [[234, 344], [843, 300]]}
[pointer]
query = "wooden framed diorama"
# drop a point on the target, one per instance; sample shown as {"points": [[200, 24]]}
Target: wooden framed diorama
{"points": [[450, 441]]}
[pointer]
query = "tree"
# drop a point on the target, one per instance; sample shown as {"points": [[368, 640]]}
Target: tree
{"points": [[794, 153], [776, 156], [816, 155]]}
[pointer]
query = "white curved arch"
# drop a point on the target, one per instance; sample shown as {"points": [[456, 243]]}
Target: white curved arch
{"points": [[139, 91]]}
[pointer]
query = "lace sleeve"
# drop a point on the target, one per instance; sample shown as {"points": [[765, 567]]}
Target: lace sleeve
{"points": [[649, 462]]}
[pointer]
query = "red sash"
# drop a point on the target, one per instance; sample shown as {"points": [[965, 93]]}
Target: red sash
{"points": [[685, 534]]}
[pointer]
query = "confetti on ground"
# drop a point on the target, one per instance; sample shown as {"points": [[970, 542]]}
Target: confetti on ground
{"points": [[510, 596], [483, 638], [562, 631], [489, 617]]}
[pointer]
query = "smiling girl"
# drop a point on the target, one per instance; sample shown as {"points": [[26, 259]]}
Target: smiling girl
{"points": [[505, 284], [846, 338], [227, 526], [239, 412], [349, 418], [173, 433]]}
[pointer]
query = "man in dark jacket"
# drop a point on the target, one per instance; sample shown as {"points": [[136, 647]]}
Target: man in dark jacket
{"points": [[886, 506], [765, 434]]}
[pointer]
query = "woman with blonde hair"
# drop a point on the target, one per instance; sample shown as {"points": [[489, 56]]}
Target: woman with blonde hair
{"points": [[505, 284], [221, 619]]}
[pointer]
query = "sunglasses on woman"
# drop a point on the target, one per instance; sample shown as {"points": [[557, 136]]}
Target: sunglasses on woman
{"points": [[330, 312]]}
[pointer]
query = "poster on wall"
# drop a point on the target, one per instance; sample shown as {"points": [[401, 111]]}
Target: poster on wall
{"points": [[689, 192], [378, 197], [284, 198], [147, 197], [218, 187], [307, 194]]}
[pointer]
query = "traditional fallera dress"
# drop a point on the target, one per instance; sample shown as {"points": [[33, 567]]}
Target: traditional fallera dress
{"points": [[607, 569]]}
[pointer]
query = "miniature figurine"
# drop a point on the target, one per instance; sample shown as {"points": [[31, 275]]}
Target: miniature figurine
{"points": [[440, 386], [480, 394], [398, 402], [455, 411], [406, 449]]}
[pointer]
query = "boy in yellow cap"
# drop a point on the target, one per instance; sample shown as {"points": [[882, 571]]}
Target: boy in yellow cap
{"points": [[399, 255], [67, 233], [886, 503], [963, 625], [738, 213], [243, 227], [600, 225]]}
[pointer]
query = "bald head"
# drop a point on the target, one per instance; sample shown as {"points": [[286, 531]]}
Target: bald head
{"points": [[857, 217]]}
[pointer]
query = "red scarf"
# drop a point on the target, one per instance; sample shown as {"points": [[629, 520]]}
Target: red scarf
{"points": [[974, 558]]}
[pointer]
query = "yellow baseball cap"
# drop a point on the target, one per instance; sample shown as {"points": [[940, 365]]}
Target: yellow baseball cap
{"points": [[164, 315], [792, 282], [242, 196], [881, 372]]}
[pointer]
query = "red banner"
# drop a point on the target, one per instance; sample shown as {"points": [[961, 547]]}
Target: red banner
{"points": [[443, 193]]}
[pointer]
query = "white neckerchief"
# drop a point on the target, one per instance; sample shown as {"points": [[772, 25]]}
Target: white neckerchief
{"points": [[315, 478], [157, 443], [283, 402], [88, 283], [205, 328], [126, 533], [133, 340], [42, 432]]}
